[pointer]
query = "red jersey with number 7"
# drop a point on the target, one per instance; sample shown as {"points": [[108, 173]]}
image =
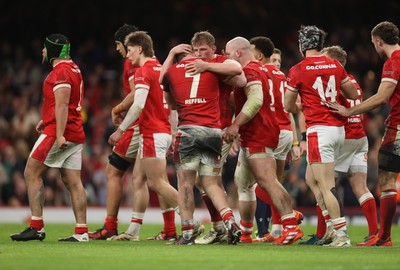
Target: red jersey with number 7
{"points": [[196, 95]]}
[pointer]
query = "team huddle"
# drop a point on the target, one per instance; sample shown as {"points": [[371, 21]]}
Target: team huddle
{"points": [[196, 108]]}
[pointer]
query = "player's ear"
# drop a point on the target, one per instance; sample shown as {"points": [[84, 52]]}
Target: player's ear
{"points": [[238, 53]]}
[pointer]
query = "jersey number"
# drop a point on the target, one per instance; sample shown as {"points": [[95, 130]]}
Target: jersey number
{"points": [[195, 84], [329, 92]]}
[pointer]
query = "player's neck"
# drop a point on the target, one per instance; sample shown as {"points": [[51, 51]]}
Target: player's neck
{"points": [[391, 49], [143, 60], [313, 52]]}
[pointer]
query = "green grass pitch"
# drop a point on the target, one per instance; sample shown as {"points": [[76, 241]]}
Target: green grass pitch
{"points": [[96, 255]]}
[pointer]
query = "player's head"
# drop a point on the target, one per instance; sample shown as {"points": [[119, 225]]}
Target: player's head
{"points": [[120, 35], [262, 47], [335, 52], [56, 46], [139, 44], [276, 58], [203, 44], [238, 49], [311, 37], [384, 33]]}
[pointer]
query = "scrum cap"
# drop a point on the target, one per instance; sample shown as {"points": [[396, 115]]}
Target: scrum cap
{"points": [[57, 46], [310, 37]]}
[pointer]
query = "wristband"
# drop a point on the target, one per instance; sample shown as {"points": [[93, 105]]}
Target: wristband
{"points": [[296, 143], [304, 136]]}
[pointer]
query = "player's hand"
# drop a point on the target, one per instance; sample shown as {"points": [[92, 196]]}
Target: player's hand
{"points": [[40, 126], [234, 151], [295, 152], [117, 118], [115, 137], [181, 48], [231, 133], [171, 149], [62, 142], [339, 109], [197, 66]]}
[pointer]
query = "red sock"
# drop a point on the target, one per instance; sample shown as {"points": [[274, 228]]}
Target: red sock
{"points": [[368, 207], [81, 228], [226, 214], [169, 221], [111, 224], [276, 217], [321, 225], [289, 220], [387, 209], [214, 214], [38, 224], [263, 195], [246, 227]]}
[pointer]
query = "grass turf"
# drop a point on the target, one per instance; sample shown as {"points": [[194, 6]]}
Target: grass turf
{"points": [[51, 254]]}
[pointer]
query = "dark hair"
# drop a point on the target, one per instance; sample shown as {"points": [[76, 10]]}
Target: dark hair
{"points": [[142, 39], [264, 45], [57, 46], [387, 31], [123, 31]]}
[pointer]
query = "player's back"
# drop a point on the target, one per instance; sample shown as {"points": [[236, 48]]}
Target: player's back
{"points": [[277, 88], [318, 80], [196, 96]]}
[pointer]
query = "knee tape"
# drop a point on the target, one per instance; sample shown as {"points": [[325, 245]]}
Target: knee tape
{"points": [[245, 184]]}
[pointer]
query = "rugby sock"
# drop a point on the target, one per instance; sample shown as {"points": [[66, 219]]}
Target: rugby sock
{"points": [[36, 222], [81, 228], [340, 226], [388, 210], [368, 206], [289, 219], [263, 195], [214, 214], [111, 224], [169, 221], [246, 228], [136, 223], [187, 228], [276, 217], [321, 224], [226, 214], [262, 217]]}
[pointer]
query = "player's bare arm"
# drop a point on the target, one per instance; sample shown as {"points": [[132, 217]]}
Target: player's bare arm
{"points": [[61, 96]]}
